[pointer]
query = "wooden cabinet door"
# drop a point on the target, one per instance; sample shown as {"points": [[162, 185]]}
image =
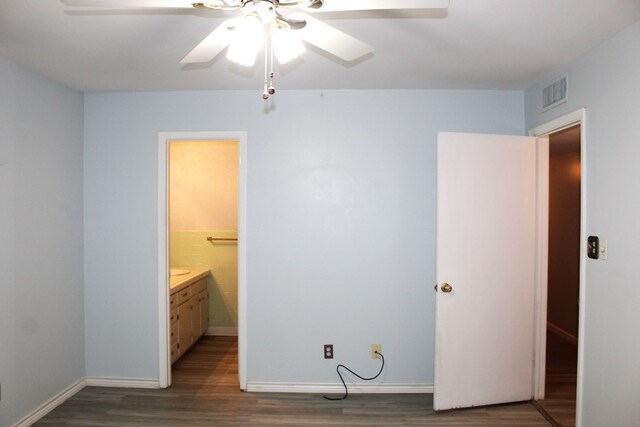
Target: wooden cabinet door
{"points": [[203, 298], [195, 319], [185, 326]]}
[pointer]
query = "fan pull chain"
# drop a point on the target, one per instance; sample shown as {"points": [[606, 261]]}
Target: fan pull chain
{"points": [[272, 89], [269, 89], [265, 93]]}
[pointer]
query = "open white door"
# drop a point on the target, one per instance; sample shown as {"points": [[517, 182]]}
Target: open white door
{"points": [[486, 249]]}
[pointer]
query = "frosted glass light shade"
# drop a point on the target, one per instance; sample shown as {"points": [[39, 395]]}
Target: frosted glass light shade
{"points": [[287, 45], [248, 39]]}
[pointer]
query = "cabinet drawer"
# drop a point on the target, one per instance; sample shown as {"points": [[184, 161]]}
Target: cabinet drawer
{"points": [[173, 335], [199, 286], [173, 301], [173, 316], [184, 295]]}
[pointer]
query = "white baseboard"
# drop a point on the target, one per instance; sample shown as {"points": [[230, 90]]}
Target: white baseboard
{"points": [[74, 388], [122, 382], [337, 388], [562, 333], [224, 331], [51, 404]]}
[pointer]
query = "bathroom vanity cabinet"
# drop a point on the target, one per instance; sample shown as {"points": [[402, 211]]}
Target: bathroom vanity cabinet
{"points": [[189, 316]]}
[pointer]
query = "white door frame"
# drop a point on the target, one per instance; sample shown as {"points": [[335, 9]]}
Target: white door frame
{"points": [[577, 117], [164, 138]]}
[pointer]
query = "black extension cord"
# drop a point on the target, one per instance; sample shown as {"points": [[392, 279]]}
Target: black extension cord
{"points": [[346, 390]]}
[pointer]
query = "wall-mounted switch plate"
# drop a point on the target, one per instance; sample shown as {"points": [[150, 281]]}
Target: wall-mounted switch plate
{"points": [[604, 250], [593, 247]]}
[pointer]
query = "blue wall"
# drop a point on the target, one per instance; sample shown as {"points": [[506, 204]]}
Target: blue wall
{"points": [[606, 81], [341, 222], [41, 250]]}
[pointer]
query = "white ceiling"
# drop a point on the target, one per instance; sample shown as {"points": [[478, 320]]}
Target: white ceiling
{"points": [[480, 44]]}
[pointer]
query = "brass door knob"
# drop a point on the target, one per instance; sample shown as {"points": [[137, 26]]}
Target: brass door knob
{"points": [[446, 288]]}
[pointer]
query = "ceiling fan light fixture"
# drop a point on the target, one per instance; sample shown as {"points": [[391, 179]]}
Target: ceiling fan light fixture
{"points": [[287, 45], [314, 4], [267, 24], [217, 4], [247, 41]]}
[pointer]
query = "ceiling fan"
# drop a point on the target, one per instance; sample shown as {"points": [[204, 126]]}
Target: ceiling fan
{"points": [[276, 25]]}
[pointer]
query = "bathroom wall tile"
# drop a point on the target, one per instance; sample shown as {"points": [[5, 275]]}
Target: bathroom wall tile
{"points": [[190, 249]]}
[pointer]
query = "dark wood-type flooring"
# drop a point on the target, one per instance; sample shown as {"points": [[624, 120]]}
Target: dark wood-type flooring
{"points": [[560, 379], [205, 392]]}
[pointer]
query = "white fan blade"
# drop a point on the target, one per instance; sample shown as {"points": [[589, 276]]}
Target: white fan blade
{"points": [[130, 4], [347, 5], [212, 45], [329, 39]]}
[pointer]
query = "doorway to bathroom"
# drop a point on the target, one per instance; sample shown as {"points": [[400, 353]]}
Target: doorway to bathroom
{"points": [[202, 241], [203, 230]]}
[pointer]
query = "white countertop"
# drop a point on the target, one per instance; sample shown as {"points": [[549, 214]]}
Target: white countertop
{"points": [[177, 283]]}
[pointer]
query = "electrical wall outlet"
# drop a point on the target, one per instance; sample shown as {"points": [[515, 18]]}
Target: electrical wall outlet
{"points": [[375, 349], [328, 351]]}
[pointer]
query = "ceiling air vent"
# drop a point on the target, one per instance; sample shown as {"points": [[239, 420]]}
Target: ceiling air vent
{"points": [[554, 94]]}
